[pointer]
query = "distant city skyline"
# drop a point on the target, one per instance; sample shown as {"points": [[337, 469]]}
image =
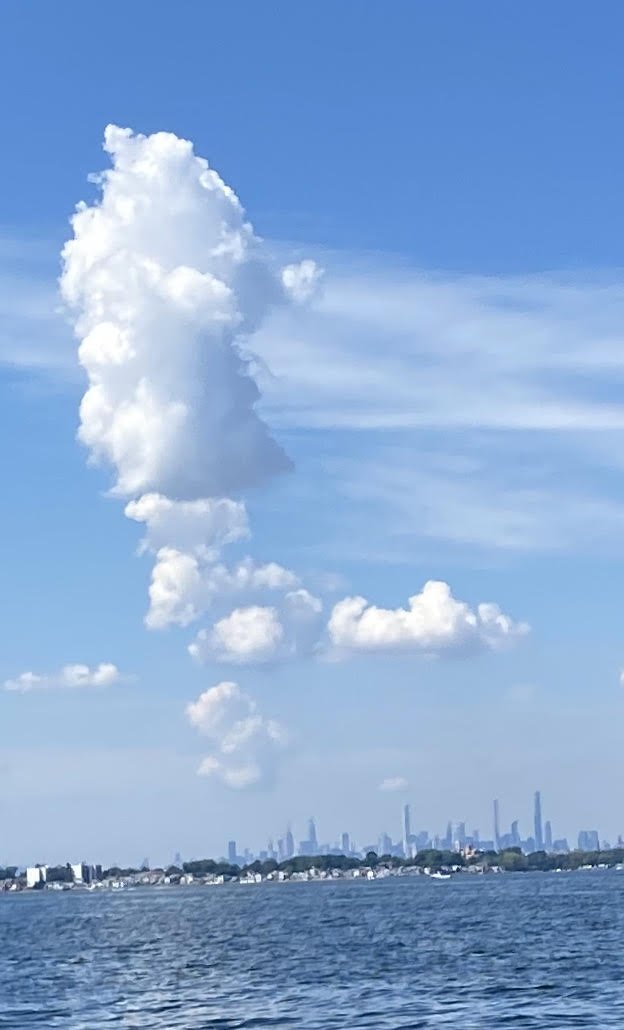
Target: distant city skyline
{"points": [[398, 826], [405, 843]]}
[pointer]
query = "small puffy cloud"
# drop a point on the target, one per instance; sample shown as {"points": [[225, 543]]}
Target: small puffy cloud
{"points": [[252, 634], [167, 281], [301, 281], [70, 676], [246, 747], [201, 527], [393, 784], [174, 590], [184, 585], [255, 634], [187, 538], [433, 623], [217, 709]]}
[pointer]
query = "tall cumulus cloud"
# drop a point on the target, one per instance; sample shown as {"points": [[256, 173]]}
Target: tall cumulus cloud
{"points": [[166, 282], [167, 279]]}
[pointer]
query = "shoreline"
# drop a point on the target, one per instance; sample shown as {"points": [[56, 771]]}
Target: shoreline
{"points": [[435, 866]]}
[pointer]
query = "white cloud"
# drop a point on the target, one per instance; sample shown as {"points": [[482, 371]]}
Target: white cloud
{"points": [[169, 286], [393, 784], [32, 333], [497, 394], [246, 746], [441, 349], [183, 585], [478, 492], [526, 362], [187, 537], [254, 635], [70, 676], [387, 346], [173, 591], [301, 281], [434, 623], [167, 280], [201, 527]]}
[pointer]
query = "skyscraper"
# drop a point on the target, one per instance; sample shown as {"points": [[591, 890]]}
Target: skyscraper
{"points": [[345, 844], [548, 838], [289, 843], [384, 846], [588, 840], [496, 826], [310, 845], [407, 831], [537, 819], [232, 852]]}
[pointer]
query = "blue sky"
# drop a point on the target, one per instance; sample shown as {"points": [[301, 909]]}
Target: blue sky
{"points": [[447, 390]]}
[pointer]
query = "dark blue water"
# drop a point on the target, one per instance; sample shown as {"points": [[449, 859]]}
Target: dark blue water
{"points": [[511, 951]]}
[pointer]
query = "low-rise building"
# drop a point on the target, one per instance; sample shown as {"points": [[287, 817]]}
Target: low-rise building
{"points": [[36, 875]]}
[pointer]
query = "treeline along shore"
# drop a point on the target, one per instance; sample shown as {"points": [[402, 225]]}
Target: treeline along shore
{"points": [[312, 867], [511, 860]]}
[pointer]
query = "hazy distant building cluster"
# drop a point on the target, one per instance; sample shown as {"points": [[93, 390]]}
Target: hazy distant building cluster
{"points": [[455, 838], [543, 838], [407, 845]]}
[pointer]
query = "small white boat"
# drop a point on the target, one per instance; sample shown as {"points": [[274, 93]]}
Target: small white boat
{"points": [[440, 876]]}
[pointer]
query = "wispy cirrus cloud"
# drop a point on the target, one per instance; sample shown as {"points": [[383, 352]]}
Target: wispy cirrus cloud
{"points": [[445, 351], [484, 412], [393, 784], [33, 334], [508, 493]]}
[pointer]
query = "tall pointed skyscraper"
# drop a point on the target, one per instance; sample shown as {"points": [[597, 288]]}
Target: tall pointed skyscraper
{"points": [[407, 832], [537, 818], [496, 826], [312, 835]]}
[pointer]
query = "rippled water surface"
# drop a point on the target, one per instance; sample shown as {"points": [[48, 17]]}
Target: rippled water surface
{"points": [[511, 951]]}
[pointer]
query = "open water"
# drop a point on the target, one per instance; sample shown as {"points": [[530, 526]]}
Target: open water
{"points": [[533, 950]]}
